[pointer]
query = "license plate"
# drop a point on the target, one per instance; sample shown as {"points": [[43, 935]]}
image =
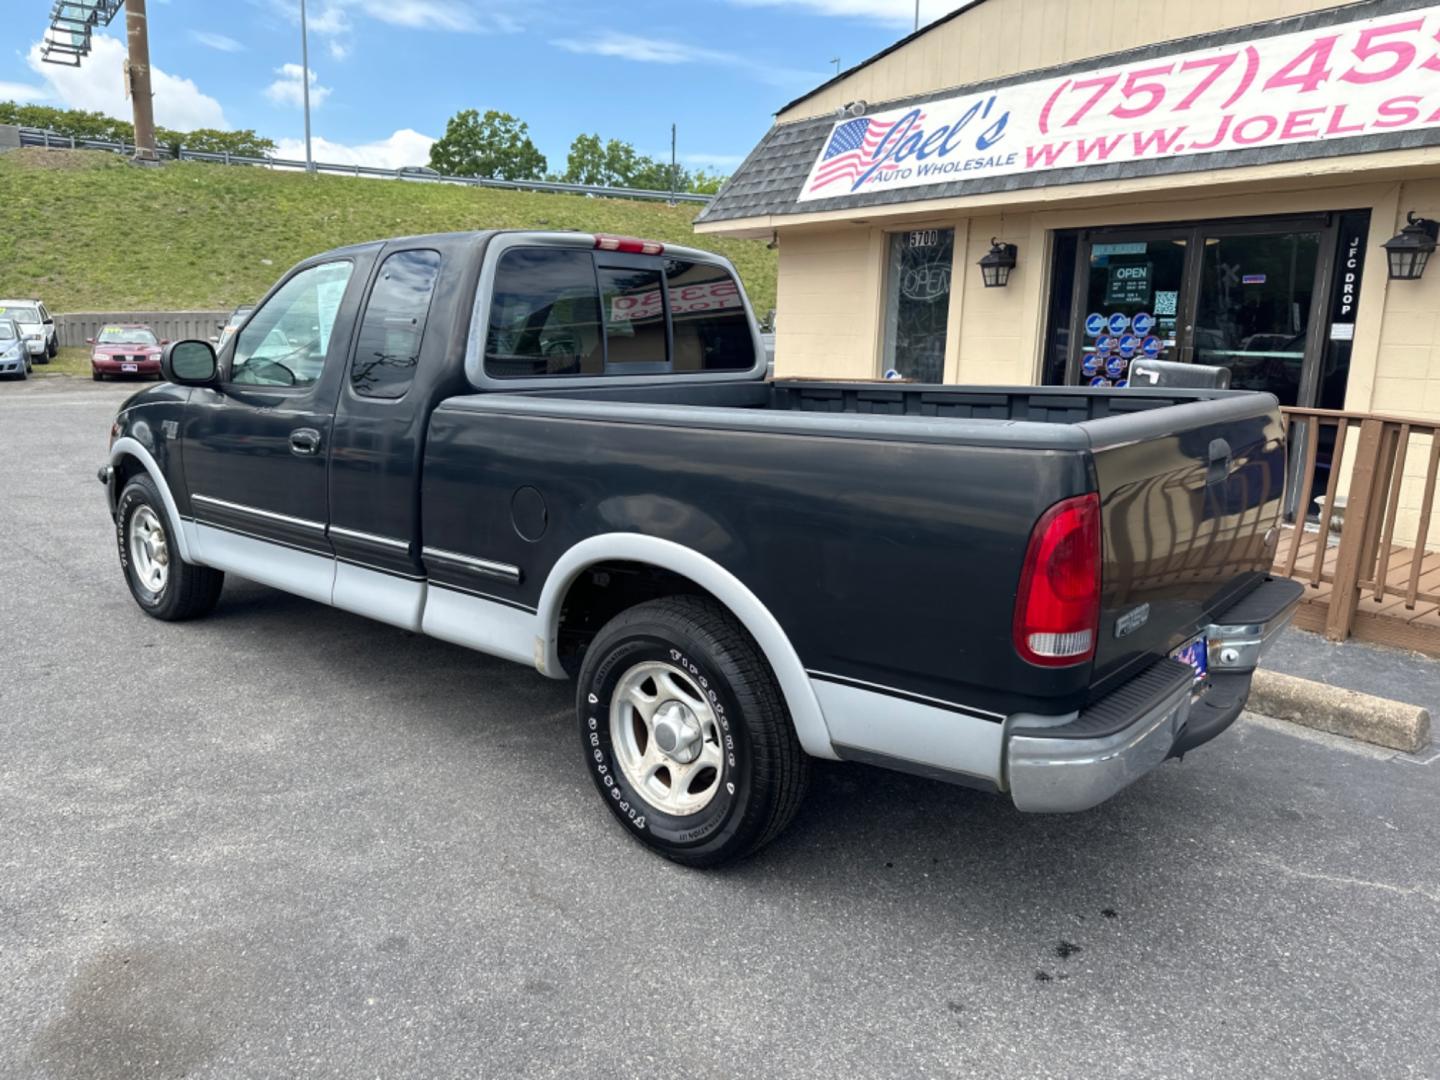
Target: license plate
{"points": [[128, 367], [1194, 653]]}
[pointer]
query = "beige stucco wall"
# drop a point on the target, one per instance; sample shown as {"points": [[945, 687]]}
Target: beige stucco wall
{"points": [[1001, 37]]}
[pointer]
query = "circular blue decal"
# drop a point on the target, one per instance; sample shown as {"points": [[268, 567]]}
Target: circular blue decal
{"points": [[1143, 323], [1116, 367], [1122, 384], [1095, 324], [1151, 346], [1128, 344], [1105, 344], [1100, 381], [1119, 323], [1091, 366]]}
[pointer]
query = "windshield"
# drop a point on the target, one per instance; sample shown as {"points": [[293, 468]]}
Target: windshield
{"points": [[20, 314], [7, 330], [126, 335]]}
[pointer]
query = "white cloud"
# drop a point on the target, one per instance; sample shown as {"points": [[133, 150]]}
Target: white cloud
{"points": [[217, 41], [405, 147], [287, 89], [22, 92], [98, 84], [334, 19], [895, 12], [664, 51]]}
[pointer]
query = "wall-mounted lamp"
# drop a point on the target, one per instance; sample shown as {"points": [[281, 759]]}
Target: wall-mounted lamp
{"points": [[995, 267], [1410, 249]]}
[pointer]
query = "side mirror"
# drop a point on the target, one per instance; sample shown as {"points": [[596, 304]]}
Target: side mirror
{"points": [[165, 341], [189, 363], [89, 341]]}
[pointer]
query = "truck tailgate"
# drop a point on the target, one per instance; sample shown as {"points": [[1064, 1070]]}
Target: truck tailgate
{"points": [[1191, 498]]}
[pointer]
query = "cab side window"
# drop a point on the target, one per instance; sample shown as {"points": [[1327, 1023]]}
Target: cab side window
{"points": [[285, 341], [545, 315], [388, 345]]}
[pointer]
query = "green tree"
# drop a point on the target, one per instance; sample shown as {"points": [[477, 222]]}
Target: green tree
{"points": [[618, 164], [244, 143], [495, 145], [93, 125], [703, 183], [609, 164]]}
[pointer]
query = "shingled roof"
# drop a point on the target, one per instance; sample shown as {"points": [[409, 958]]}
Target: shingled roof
{"points": [[769, 181]]}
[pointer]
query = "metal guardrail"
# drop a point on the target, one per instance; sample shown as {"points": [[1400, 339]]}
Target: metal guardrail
{"points": [[52, 140]]}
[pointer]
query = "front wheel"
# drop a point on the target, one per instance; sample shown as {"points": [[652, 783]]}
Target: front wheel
{"points": [[163, 584], [686, 734]]}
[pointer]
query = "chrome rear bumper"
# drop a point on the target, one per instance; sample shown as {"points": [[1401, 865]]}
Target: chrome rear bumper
{"points": [[1063, 764]]}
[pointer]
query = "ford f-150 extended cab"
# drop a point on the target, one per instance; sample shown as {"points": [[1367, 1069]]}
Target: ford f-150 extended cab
{"points": [[562, 449]]}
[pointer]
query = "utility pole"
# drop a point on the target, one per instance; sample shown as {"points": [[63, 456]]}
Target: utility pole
{"points": [[674, 168], [917, 14], [305, 86], [137, 79]]}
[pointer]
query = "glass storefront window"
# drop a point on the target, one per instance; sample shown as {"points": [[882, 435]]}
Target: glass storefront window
{"points": [[917, 303]]}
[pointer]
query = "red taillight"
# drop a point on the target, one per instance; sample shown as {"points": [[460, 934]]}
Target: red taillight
{"points": [[1057, 609], [629, 244]]}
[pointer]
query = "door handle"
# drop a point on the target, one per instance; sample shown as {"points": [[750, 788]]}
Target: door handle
{"points": [[305, 441], [1218, 469]]}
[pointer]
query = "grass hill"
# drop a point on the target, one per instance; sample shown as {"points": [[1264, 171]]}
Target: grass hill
{"points": [[86, 231]]}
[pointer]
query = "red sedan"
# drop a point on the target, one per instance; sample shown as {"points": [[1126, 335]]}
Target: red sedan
{"points": [[125, 349]]}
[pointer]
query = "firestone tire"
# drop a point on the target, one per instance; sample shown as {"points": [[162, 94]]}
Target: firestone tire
{"points": [[163, 584], [688, 664]]}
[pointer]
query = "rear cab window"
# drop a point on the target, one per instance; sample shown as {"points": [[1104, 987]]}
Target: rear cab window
{"points": [[560, 311]]}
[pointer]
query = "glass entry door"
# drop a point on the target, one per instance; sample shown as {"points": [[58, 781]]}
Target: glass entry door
{"points": [[1255, 309], [1241, 295], [1132, 287]]}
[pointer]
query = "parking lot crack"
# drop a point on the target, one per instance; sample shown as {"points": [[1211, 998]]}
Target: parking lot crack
{"points": [[1424, 892]]}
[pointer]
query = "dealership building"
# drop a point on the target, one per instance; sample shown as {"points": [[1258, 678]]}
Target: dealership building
{"points": [[1042, 191]]}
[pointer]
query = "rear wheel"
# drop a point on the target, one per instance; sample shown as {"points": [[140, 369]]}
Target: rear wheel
{"points": [[685, 732], [163, 584]]}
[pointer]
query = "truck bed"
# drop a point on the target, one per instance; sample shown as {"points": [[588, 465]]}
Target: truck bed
{"points": [[1017, 416]]}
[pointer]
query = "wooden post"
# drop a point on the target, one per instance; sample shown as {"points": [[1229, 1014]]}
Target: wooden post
{"points": [[1345, 593], [137, 73]]}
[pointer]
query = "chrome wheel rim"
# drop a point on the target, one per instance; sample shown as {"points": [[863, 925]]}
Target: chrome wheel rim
{"points": [[666, 738], [149, 551]]}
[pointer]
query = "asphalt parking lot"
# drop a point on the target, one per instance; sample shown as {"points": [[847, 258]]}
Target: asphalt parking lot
{"points": [[284, 841]]}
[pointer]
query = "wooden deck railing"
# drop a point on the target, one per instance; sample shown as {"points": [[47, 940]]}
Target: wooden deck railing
{"points": [[1381, 553]]}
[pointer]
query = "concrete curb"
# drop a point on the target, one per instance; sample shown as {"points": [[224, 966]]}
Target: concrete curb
{"points": [[1372, 719]]}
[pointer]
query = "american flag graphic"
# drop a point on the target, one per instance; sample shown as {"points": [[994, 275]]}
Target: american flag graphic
{"points": [[852, 150]]}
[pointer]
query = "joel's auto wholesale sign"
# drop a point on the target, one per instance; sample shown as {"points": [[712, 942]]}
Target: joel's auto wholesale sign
{"points": [[1358, 78], [684, 300]]}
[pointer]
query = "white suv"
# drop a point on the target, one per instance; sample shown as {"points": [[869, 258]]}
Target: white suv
{"points": [[37, 327]]}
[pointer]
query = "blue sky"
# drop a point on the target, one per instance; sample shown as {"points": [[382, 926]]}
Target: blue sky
{"points": [[387, 74]]}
